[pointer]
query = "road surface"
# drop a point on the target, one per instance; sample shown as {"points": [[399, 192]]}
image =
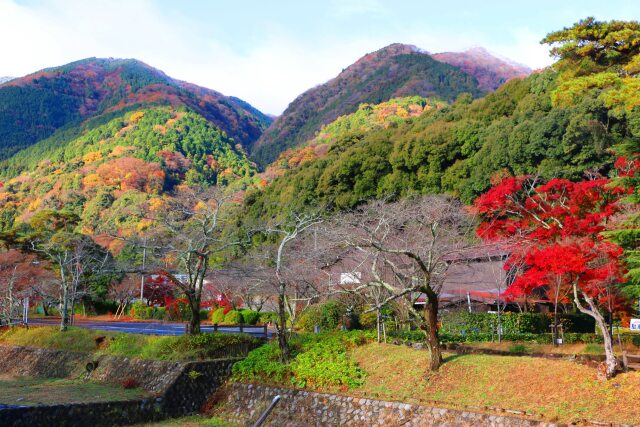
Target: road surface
{"points": [[149, 328]]}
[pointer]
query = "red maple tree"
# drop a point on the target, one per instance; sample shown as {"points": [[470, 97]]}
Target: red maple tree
{"points": [[557, 229]]}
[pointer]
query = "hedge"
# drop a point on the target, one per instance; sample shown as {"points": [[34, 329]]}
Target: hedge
{"points": [[463, 322]]}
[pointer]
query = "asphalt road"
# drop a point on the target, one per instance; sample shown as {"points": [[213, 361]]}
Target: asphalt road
{"points": [[149, 328]]}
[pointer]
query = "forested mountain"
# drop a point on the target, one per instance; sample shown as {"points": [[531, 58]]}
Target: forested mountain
{"points": [[109, 173], [395, 71], [32, 108], [490, 71], [566, 121]]}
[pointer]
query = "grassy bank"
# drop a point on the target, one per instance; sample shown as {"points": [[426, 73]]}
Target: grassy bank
{"points": [[49, 391], [555, 390], [170, 348]]}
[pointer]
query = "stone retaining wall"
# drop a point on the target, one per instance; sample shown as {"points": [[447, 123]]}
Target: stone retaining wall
{"points": [[178, 388], [245, 402], [153, 375]]}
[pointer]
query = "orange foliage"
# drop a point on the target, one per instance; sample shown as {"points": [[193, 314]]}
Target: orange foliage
{"points": [[129, 173]]}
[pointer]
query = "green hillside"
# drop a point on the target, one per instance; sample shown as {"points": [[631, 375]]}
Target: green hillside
{"points": [[34, 107], [521, 128], [109, 171], [394, 71]]}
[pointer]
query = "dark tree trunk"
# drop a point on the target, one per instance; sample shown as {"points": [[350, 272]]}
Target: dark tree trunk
{"points": [[194, 323], [282, 330], [433, 340]]}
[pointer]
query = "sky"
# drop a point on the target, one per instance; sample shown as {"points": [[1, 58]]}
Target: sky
{"points": [[269, 52]]}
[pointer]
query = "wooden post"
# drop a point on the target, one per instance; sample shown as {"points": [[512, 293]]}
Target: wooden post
{"points": [[241, 328], [215, 327], [265, 330]]}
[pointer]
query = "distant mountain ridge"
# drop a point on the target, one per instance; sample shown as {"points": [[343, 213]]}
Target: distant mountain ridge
{"points": [[491, 72], [5, 79], [397, 70], [35, 106]]}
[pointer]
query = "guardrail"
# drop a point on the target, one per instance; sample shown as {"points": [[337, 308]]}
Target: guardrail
{"points": [[243, 328]]}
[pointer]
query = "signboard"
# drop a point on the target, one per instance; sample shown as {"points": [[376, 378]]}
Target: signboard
{"points": [[634, 324]]}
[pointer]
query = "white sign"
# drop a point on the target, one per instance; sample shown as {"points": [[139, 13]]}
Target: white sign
{"points": [[634, 324]]}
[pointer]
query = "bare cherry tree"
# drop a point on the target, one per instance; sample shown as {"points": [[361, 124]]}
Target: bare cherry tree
{"points": [[188, 232], [409, 246], [281, 264]]}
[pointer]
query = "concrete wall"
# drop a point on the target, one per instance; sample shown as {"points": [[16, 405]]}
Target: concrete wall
{"points": [[245, 402]]}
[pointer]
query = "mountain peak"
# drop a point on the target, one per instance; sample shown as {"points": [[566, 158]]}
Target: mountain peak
{"points": [[490, 70]]}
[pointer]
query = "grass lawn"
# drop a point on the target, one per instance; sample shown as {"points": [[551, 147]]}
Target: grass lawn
{"points": [[35, 391], [568, 349], [171, 348], [560, 390], [192, 421]]}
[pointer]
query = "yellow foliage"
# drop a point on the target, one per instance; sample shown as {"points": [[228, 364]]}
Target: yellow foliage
{"points": [[35, 204], [155, 204], [92, 157], [572, 91], [91, 181], [143, 224], [626, 95], [136, 116]]}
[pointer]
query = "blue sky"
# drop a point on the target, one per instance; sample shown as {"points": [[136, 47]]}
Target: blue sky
{"points": [[268, 52]]}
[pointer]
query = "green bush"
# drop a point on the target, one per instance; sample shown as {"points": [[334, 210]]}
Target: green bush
{"points": [[311, 317], [217, 315], [519, 348], [204, 314], [233, 317], [368, 320], [317, 359], [159, 313], [328, 316], [262, 364], [463, 322], [332, 312], [250, 317], [267, 317]]}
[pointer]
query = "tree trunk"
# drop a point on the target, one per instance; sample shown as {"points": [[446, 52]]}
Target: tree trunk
{"points": [[610, 358], [433, 341], [64, 324], [194, 323], [282, 329]]}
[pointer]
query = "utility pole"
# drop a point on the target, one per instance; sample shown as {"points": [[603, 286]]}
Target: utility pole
{"points": [[144, 260]]}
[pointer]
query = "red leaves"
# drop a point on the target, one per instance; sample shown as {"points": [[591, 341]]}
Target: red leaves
{"points": [[557, 227]]}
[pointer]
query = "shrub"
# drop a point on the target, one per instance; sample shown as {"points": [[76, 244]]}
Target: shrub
{"points": [[217, 315], [311, 318], [130, 383], [332, 312], [328, 316], [518, 348], [233, 317], [204, 314], [159, 313], [267, 317], [250, 317], [317, 359], [262, 364], [368, 320]]}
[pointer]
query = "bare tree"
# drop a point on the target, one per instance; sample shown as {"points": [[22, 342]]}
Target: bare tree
{"points": [[281, 267], [123, 293], [409, 245], [189, 231]]}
